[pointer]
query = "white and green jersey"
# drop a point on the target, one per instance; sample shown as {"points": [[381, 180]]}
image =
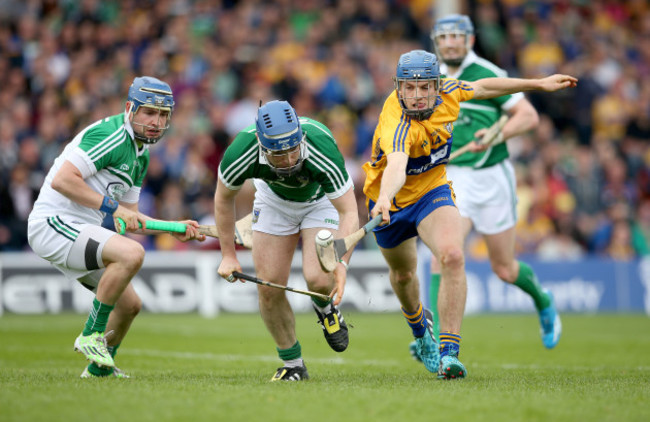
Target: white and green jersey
{"points": [[322, 173], [479, 114], [110, 162]]}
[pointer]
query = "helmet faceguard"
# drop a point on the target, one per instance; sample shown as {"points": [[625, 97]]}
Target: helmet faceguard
{"points": [[453, 25], [153, 93], [418, 78], [280, 137]]}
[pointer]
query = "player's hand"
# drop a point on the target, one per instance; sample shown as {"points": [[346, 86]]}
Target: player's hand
{"points": [[340, 274], [191, 233], [557, 82], [227, 267], [132, 220], [382, 206]]}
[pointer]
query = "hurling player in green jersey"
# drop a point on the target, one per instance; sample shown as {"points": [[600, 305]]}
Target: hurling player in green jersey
{"points": [[301, 187], [100, 172], [484, 179]]}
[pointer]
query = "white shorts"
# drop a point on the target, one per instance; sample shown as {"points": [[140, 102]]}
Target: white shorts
{"points": [[73, 248], [276, 216], [486, 196]]}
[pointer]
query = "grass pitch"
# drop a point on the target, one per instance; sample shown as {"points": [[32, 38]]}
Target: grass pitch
{"points": [[186, 368]]}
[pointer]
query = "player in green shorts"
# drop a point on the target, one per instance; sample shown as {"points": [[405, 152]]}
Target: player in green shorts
{"points": [[302, 186], [484, 179], [101, 172]]}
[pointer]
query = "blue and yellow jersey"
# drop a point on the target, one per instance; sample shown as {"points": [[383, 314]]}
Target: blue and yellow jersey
{"points": [[427, 143]]}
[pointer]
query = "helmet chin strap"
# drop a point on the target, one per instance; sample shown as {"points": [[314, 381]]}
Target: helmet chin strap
{"points": [[288, 171], [143, 127]]}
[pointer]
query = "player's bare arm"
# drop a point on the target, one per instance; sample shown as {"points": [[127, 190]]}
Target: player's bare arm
{"points": [[496, 87], [69, 182], [392, 181], [224, 211], [346, 205]]}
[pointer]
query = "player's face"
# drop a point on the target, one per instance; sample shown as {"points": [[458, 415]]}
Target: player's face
{"points": [[418, 95], [150, 122], [452, 46], [284, 159]]}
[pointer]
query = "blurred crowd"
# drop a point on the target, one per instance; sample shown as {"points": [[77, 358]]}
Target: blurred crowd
{"points": [[583, 175]]}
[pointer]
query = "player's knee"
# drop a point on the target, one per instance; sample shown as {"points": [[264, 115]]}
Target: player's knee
{"points": [[402, 277], [320, 283], [452, 258], [130, 309], [134, 307], [132, 257], [504, 272], [268, 295]]}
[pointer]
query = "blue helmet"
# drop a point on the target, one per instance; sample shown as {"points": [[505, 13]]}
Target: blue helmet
{"points": [[279, 131], [453, 24], [150, 92], [418, 66]]}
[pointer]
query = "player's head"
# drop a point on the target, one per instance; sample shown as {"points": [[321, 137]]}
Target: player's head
{"points": [[453, 38], [417, 83], [280, 137], [150, 105]]}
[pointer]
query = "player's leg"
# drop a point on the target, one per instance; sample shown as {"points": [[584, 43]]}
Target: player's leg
{"points": [[273, 263], [122, 258], [315, 217], [441, 232], [502, 258], [435, 280], [434, 290], [119, 321], [402, 264], [496, 220], [331, 320]]}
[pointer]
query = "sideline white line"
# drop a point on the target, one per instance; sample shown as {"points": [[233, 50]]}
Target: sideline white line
{"points": [[259, 358]]}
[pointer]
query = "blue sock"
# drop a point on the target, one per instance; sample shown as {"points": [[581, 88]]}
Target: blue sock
{"points": [[449, 344], [416, 321]]}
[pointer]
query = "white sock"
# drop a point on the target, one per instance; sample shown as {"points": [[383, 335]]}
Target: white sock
{"points": [[293, 363]]}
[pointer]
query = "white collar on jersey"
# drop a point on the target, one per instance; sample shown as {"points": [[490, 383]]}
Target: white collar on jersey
{"points": [[469, 59], [127, 126]]}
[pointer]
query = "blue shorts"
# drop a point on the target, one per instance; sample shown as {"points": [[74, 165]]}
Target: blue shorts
{"points": [[404, 223]]}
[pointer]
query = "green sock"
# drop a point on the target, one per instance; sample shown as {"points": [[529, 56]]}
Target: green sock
{"points": [[98, 318], [320, 302], [434, 287], [527, 281], [293, 352]]}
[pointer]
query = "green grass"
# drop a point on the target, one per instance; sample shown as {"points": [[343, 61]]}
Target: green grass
{"points": [[186, 368]]}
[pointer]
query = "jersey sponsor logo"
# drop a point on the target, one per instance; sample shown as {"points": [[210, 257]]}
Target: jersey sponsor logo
{"points": [[116, 190], [436, 158]]}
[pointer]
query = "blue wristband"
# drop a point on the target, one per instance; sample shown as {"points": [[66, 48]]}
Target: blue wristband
{"points": [[108, 205]]}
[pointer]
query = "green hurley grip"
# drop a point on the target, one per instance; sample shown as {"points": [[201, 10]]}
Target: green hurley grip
{"points": [[165, 226]]}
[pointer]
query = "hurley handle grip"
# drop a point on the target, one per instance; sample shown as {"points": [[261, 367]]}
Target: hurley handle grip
{"points": [[165, 226]]}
